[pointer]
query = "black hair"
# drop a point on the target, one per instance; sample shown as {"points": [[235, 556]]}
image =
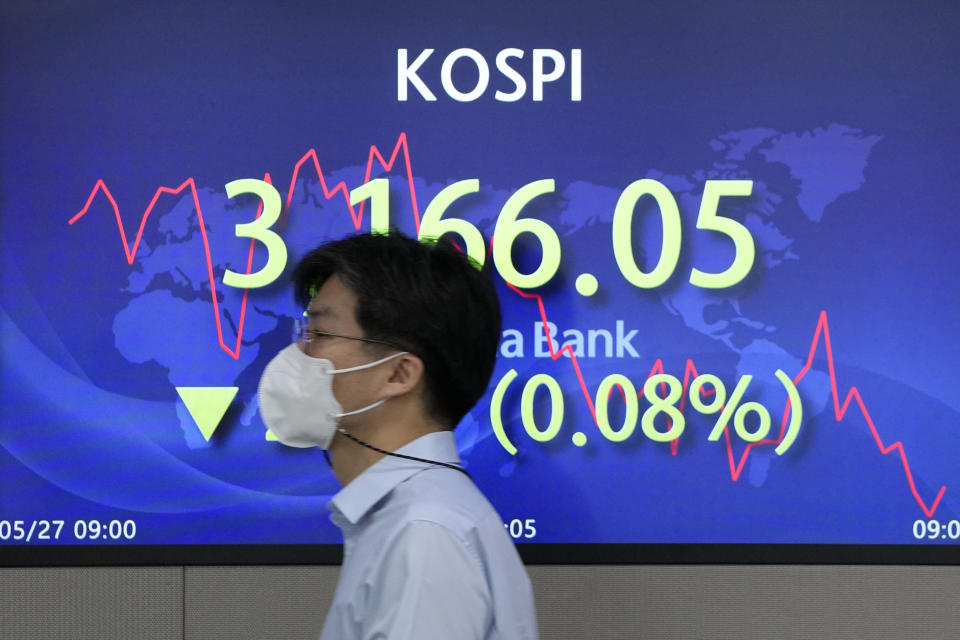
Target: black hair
{"points": [[426, 297]]}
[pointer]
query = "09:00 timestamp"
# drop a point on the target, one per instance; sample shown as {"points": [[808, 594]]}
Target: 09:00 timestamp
{"points": [[936, 530], [39, 530]]}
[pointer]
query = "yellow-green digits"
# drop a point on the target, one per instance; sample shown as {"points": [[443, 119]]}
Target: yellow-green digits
{"points": [[744, 250], [623, 234], [431, 226], [630, 399], [732, 409], [662, 405], [259, 229], [509, 225], [378, 191], [708, 218], [526, 407], [507, 229]]}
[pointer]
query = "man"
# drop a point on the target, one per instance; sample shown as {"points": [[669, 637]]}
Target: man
{"points": [[398, 343]]}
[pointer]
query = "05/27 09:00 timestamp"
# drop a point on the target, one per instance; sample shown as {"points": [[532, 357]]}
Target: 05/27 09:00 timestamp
{"points": [[41, 530]]}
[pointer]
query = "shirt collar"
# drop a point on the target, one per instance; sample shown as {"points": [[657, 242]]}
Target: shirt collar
{"points": [[368, 488]]}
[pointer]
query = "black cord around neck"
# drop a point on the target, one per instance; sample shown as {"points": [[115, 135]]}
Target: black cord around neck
{"points": [[405, 457]]}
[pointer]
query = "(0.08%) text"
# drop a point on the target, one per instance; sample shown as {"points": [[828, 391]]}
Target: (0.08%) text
{"points": [[703, 386]]}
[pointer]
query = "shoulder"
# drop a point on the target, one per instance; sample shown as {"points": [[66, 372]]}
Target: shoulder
{"points": [[444, 497], [444, 500]]}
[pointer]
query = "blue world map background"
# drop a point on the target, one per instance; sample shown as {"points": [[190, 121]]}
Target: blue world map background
{"points": [[849, 213]]}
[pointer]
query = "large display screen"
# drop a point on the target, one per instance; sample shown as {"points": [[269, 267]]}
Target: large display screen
{"points": [[723, 235]]}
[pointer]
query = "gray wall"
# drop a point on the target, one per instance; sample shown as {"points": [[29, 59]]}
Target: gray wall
{"points": [[589, 602]]}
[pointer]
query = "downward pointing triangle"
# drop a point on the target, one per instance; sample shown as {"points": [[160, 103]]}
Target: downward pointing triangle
{"points": [[207, 405]]}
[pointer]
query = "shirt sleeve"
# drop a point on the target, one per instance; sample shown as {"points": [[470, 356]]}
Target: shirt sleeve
{"points": [[427, 587]]}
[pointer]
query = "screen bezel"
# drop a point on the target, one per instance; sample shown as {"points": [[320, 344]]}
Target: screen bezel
{"points": [[532, 553]]}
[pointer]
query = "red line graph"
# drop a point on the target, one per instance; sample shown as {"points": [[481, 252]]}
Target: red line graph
{"points": [[736, 468], [341, 187], [356, 215], [690, 371], [131, 251]]}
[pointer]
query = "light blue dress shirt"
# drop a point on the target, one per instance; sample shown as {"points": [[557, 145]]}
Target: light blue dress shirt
{"points": [[425, 555]]}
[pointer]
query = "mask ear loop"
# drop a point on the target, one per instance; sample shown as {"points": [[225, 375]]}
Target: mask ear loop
{"points": [[360, 410], [358, 368], [368, 365]]}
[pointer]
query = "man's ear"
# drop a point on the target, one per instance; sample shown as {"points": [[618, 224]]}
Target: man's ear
{"points": [[406, 372]]}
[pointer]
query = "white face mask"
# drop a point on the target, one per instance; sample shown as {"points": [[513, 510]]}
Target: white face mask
{"points": [[296, 398]]}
